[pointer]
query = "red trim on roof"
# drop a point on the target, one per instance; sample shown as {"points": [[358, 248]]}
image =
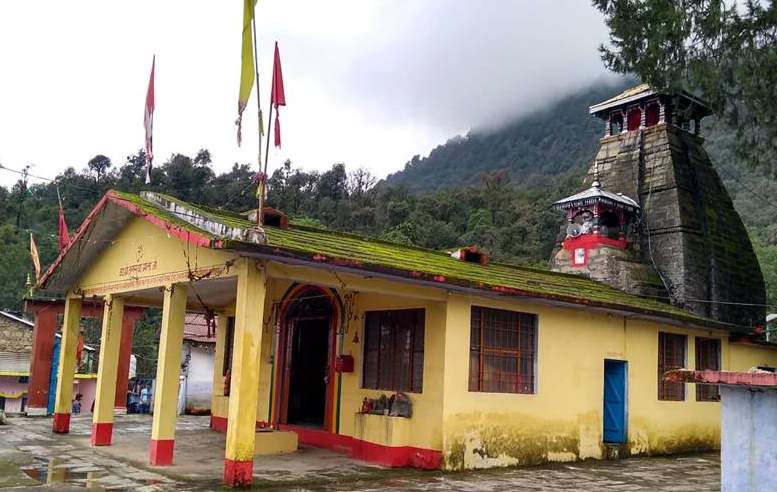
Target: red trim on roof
{"points": [[79, 233], [768, 379], [193, 238], [185, 235]]}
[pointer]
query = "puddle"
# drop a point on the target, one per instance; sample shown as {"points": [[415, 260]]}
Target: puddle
{"points": [[56, 471]]}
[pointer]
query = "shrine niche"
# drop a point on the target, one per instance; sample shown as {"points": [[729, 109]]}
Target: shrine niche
{"points": [[600, 240]]}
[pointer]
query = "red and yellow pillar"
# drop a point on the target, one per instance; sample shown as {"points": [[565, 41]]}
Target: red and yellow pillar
{"points": [[218, 418], [241, 428], [167, 373], [67, 365], [105, 395]]}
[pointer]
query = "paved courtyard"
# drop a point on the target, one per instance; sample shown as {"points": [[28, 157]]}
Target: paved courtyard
{"points": [[32, 458]]}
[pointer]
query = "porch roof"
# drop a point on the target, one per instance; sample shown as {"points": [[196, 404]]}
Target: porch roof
{"points": [[328, 248]]}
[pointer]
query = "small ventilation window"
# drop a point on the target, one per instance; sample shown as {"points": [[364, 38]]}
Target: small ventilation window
{"points": [[471, 255], [275, 218]]}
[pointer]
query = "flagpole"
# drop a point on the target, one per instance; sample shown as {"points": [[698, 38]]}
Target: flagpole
{"points": [[267, 147], [262, 176]]}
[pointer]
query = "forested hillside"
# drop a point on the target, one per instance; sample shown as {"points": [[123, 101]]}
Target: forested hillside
{"points": [[483, 197], [549, 142]]}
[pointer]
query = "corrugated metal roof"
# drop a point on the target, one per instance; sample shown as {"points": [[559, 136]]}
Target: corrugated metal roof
{"points": [[596, 194]]}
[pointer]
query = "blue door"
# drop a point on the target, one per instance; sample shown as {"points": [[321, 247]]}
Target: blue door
{"points": [[614, 401], [53, 376]]}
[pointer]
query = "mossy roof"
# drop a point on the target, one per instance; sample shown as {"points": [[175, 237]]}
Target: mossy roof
{"points": [[358, 252]]}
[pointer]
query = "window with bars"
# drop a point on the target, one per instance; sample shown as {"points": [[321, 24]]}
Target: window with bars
{"points": [[394, 350], [707, 358], [503, 351], [671, 355]]}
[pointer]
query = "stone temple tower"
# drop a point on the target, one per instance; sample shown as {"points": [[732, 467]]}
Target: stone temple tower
{"points": [[683, 227]]}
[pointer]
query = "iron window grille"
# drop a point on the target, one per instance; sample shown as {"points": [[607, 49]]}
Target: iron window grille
{"points": [[707, 358], [671, 355], [502, 351], [394, 350]]}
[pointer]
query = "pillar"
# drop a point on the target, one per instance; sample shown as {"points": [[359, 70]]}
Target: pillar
{"points": [[244, 389], [40, 363], [168, 371], [218, 420], [122, 373], [67, 365], [105, 395]]}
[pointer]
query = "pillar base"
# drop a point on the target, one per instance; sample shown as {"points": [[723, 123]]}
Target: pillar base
{"points": [[36, 411], [101, 433], [61, 423], [218, 424], [238, 473], [160, 452]]}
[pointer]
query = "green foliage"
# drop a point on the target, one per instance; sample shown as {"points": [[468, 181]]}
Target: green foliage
{"points": [[466, 193], [723, 49]]}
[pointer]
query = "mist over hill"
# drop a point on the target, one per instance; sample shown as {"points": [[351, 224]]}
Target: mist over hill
{"points": [[545, 143]]}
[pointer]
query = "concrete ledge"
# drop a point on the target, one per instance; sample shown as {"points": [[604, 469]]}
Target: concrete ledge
{"points": [[275, 442]]}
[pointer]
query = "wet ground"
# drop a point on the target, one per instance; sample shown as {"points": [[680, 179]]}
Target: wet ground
{"points": [[32, 458]]}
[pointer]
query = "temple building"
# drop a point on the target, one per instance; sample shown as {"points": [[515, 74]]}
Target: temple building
{"points": [[404, 356], [689, 244]]}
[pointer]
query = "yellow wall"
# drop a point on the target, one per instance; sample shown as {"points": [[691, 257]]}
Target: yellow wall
{"points": [[563, 419], [143, 256]]}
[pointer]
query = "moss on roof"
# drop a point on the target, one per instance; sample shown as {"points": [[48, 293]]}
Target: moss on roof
{"points": [[361, 252]]}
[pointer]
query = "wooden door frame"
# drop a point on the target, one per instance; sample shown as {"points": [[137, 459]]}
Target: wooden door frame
{"points": [[283, 365]]}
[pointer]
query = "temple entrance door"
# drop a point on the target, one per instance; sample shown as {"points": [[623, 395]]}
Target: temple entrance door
{"points": [[308, 354], [614, 401], [307, 347]]}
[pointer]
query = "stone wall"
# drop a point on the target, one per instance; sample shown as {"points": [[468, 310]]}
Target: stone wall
{"points": [[690, 227], [15, 336]]}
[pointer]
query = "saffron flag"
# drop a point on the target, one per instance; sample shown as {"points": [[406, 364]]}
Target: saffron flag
{"points": [[64, 235], [247, 68], [277, 96], [35, 257], [148, 122]]}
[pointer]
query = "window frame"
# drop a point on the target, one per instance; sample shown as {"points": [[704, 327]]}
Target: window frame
{"points": [[670, 391], [412, 376], [707, 392], [482, 350]]}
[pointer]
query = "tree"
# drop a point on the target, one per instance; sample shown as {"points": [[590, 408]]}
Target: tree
{"points": [[99, 165], [724, 50]]}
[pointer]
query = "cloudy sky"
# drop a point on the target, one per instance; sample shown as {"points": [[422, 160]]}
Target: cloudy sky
{"points": [[368, 83]]}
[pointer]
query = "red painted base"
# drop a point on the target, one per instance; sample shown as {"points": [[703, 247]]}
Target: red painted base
{"points": [[61, 423], [218, 424], [238, 473], [400, 456], [101, 433], [392, 456], [160, 452]]}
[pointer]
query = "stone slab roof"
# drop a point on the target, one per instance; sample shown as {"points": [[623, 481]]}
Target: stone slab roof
{"points": [[323, 248]]}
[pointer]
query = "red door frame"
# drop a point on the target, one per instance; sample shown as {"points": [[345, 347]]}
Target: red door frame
{"points": [[283, 366]]}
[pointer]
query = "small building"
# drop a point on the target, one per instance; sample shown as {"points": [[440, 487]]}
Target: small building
{"points": [[198, 352], [15, 361], [404, 356], [748, 450]]}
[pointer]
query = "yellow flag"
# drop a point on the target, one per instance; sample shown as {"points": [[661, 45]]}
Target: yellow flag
{"points": [[35, 257], [247, 65]]}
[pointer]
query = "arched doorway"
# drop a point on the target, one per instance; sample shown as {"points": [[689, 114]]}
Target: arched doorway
{"points": [[306, 356]]}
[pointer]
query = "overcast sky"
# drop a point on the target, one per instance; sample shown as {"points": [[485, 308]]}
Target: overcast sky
{"points": [[368, 82]]}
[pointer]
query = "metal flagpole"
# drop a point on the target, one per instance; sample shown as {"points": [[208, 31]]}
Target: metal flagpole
{"points": [[262, 175], [269, 127]]}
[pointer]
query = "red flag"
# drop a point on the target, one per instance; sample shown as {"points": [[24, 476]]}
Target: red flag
{"points": [[277, 96], [64, 236], [148, 122]]}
